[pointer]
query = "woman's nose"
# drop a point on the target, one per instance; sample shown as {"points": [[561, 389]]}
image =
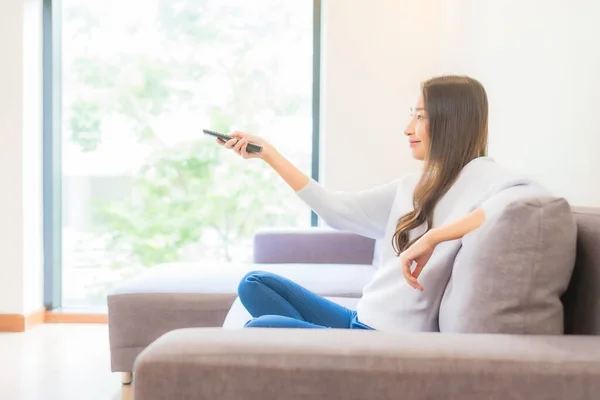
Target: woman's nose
{"points": [[409, 130]]}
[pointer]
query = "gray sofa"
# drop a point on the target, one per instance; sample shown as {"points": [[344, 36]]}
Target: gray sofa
{"points": [[261, 364]]}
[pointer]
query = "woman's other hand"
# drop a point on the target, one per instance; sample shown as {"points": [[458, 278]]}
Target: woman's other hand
{"points": [[419, 252]]}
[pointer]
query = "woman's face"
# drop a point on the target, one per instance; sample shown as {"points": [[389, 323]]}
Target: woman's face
{"points": [[417, 130]]}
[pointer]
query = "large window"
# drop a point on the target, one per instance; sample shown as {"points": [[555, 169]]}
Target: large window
{"points": [[140, 185]]}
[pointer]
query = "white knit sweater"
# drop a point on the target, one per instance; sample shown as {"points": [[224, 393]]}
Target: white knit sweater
{"points": [[388, 302]]}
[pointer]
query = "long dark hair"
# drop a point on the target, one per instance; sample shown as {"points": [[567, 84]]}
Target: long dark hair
{"points": [[457, 108]]}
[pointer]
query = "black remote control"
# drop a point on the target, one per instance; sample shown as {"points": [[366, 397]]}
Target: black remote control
{"points": [[250, 148]]}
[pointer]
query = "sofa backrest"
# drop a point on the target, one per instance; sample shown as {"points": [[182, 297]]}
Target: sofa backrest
{"points": [[312, 246], [582, 298]]}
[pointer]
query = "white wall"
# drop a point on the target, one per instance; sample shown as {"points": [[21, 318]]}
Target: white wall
{"points": [[11, 126], [374, 55], [540, 63], [21, 268], [32, 187]]}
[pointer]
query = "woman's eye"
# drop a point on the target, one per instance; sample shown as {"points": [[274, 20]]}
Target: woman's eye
{"points": [[419, 117]]}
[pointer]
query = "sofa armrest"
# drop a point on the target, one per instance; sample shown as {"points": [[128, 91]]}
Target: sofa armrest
{"points": [[270, 364], [312, 245]]}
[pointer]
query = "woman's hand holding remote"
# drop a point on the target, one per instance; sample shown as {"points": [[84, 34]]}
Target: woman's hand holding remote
{"points": [[240, 141]]}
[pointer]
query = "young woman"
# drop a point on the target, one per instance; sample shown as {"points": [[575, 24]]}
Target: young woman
{"points": [[420, 217]]}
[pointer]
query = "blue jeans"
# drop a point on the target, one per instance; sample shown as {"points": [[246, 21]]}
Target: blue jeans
{"points": [[277, 302]]}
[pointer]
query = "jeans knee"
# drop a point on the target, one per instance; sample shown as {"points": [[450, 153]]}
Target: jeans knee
{"points": [[270, 321], [254, 323], [248, 284]]}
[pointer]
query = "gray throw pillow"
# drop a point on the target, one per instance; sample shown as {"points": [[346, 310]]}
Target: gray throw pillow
{"points": [[510, 273]]}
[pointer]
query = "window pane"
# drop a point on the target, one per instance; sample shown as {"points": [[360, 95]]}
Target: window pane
{"points": [[142, 186]]}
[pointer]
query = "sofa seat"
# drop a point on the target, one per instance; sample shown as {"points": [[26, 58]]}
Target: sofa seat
{"points": [[238, 315], [184, 295], [319, 364]]}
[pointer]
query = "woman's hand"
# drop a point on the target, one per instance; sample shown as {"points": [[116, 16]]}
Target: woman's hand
{"points": [[240, 141], [419, 252]]}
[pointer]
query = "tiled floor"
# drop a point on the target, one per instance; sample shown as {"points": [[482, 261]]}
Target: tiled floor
{"points": [[59, 362]]}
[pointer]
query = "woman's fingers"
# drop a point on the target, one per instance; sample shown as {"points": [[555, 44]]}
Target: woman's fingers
{"points": [[250, 138], [406, 263], [230, 143], [244, 151], [416, 283], [239, 144], [238, 147], [410, 278], [239, 135], [418, 270]]}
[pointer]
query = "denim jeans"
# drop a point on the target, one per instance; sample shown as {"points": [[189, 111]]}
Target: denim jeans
{"points": [[277, 302]]}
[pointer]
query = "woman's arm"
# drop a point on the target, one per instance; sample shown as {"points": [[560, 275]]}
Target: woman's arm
{"points": [[365, 213], [290, 174], [457, 229], [288, 171], [422, 249]]}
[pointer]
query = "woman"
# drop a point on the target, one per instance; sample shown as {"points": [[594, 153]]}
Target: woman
{"points": [[420, 217]]}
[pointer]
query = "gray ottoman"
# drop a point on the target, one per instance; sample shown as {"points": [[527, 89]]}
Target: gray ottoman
{"points": [[178, 296]]}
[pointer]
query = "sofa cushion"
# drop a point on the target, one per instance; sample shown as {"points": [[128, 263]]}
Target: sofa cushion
{"points": [[238, 315], [510, 273], [327, 279]]}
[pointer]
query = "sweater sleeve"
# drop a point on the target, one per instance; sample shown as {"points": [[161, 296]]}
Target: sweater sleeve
{"points": [[507, 192], [365, 213]]}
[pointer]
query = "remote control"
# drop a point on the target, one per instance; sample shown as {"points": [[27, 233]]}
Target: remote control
{"points": [[250, 148]]}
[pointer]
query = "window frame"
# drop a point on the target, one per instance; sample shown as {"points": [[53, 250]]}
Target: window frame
{"points": [[51, 153]]}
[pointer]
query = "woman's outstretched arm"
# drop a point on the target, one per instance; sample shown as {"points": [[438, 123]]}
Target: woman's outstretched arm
{"points": [[365, 213]]}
